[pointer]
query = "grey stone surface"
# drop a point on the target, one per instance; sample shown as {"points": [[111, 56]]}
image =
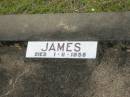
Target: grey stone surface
{"points": [[69, 26], [108, 76]]}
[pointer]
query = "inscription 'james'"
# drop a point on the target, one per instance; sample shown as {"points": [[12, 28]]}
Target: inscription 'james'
{"points": [[69, 47], [62, 49]]}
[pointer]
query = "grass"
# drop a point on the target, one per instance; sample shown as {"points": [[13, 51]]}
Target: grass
{"points": [[62, 6]]}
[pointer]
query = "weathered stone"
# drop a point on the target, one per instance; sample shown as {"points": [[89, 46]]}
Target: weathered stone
{"points": [[69, 26], [21, 77]]}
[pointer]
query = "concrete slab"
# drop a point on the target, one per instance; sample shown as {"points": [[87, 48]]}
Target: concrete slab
{"points": [[69, 26]]}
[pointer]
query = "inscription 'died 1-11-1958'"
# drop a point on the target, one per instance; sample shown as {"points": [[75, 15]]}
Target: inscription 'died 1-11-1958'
{"points": [[61, 49]]}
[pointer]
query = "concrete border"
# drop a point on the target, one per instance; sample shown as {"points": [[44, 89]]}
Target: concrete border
{"points": [[69, 26]]}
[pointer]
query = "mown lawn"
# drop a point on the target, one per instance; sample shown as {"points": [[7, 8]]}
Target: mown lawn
{"points": [[55, 6]]}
